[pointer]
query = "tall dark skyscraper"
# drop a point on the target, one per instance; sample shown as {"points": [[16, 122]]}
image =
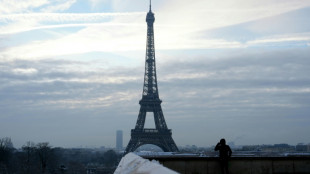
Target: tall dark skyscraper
{"points": [[161, 136], [119, 140]]}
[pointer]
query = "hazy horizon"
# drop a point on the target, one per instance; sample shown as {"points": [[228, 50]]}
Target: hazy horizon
{"points": [[71, 71]]}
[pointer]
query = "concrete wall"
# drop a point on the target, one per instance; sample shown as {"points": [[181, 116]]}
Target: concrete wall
{"points": [[237, 165]]}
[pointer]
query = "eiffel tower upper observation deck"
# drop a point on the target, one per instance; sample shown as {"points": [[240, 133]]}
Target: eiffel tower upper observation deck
{"points": [[150, 102]]}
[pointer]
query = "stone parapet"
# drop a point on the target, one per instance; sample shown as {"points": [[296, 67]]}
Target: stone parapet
{"points": [[237, 165]]}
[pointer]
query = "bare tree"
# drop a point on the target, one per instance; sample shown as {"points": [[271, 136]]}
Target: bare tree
{"points": [[44, 150], [6, 148], [110, 158], [29, 149]]}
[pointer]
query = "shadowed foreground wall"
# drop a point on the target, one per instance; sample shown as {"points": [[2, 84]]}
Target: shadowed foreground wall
{"points": [[237, 165]]}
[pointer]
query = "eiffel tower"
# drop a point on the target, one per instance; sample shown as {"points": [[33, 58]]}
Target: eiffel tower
{"points": [[161, 136]]}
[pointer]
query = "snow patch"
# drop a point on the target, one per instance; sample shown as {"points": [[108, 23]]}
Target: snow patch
{"points": [[134, 164]]}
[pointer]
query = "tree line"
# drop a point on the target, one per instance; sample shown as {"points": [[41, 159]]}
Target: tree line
{"points": [[42, 158]]}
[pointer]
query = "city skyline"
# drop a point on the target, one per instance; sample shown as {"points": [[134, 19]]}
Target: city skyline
{"points": [[71, 71]]}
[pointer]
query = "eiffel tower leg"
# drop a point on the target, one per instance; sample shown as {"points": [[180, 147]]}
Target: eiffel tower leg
{"points": [[170, 144], [159, 119], [132, 146], [141, 119]]}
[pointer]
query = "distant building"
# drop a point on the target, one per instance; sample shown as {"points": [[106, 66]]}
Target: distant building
{"points": [[231, 144], [269, 148], [119, 140], [302, 147]]}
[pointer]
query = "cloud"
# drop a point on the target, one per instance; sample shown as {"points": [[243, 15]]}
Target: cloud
{"points": [[16, 6], [97, 3], [61, 6], [284, 38], [26, 71], [234, 88], [105, 38], [63, 17], [117, 32], [203, 15], [267, 80], [17, 23], [28, 6]]}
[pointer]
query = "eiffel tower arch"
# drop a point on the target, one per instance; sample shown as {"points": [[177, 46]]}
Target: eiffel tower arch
{"points": [[161, 136]]}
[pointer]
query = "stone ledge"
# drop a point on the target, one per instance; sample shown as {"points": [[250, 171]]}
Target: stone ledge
{"points": [[237, 165]]}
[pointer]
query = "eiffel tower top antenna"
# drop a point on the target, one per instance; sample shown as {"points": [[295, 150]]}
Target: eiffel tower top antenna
{"points": [[150, 5]]}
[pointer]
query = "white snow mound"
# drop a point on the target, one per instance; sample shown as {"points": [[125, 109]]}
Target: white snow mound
{"points": [[134, 164]]}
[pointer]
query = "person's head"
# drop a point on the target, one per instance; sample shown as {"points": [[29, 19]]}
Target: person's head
{"points": [[223, 142]]}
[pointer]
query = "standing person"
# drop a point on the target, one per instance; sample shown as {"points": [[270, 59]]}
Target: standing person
{"points": [[225, 154]]}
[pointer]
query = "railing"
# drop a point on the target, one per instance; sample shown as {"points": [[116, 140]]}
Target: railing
{"points": [[150, 131]]}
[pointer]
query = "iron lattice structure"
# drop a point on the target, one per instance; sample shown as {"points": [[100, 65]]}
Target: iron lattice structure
{"points": [[161, 136]]}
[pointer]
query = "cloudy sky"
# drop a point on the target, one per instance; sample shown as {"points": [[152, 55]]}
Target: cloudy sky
{"points": [[71, 71]]}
